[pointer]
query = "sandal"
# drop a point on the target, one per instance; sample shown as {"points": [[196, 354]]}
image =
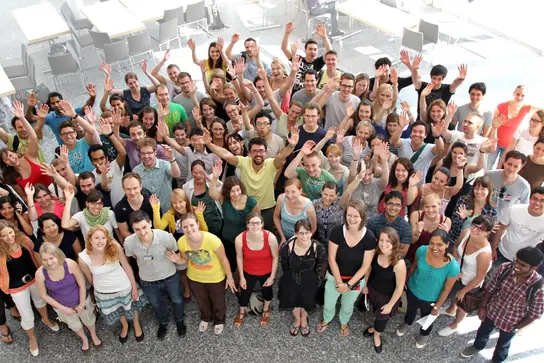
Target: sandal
{"points": [[322, 326], [305, 330], [239, 320], [7, 338], [265, 318], [293, 330], [344, 330]]}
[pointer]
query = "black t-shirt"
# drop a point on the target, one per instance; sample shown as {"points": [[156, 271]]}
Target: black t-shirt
{"points": [[403, 82], [123, 210], [350, 259], [316, 65], [66, 245], [443, 93], [82, 197]]}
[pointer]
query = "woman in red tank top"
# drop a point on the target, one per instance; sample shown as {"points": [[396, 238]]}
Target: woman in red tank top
{"points": [[257, 258], [425, 222], [507, 117], [19, 170]]}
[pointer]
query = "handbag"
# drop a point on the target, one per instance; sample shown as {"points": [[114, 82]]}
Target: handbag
{"points": [[472, 300]]}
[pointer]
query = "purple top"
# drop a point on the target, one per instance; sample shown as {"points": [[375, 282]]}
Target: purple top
{"points": [[134, 154], [65, 291]]}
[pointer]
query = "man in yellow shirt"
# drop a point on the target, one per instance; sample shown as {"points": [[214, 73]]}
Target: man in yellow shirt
{"points": [[258, 172]]}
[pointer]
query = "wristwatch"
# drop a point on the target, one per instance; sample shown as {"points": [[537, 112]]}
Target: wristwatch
{"points": [[437, 137], [350, 287], [110, 134]]}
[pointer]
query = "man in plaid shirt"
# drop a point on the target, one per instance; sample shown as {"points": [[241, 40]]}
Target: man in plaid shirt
{"points": [[505, 304]]}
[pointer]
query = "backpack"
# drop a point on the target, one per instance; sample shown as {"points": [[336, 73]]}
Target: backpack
{"points": [[214, 18], [531, 291]]}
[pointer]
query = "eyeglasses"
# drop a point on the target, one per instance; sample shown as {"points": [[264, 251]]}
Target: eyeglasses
{"points": [[478, 227], [307, 233], [67, 133], [259, 152], [262, 124], [346, 86], [396, 205], [97, 203], [255, 223]]}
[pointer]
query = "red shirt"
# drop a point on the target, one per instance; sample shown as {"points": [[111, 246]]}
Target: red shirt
{"points": [[508, 305], [505, 133], [257, 263], [35, 177]]}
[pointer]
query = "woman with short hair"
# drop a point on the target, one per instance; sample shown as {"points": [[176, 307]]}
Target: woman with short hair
{"points": [[61, 284]]}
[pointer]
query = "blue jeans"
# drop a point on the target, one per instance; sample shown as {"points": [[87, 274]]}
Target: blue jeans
{"points": [[503, 343], [154, 289], [494, 157]]}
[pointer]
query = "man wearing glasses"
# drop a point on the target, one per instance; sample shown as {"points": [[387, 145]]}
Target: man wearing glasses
{"points": [[335, 101], [521, 226], [263, 130], [508, 187]]}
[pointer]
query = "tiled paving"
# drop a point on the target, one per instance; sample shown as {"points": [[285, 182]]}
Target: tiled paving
{"points": [[501, 63]]}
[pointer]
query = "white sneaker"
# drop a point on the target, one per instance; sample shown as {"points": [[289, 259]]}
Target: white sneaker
{"points": [[203, 326], [218, 329], [447, 331], [445, 312]]}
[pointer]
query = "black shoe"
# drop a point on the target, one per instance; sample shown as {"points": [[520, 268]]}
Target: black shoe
{"points": [[367, 332], [378, 349], [140, 338], [182, 329], [161, 332], [337, 33], [124, 339]]}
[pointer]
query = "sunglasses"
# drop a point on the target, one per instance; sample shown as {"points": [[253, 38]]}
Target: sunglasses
{"points": [[502, 192]]}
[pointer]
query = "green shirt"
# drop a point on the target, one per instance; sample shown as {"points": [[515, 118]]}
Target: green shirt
{"points": [[23, 146], [212, 216], [312, 186], [235, 220], [177, 114]]}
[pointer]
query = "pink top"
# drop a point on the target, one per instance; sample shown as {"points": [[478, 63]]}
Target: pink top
{"points": [[59, 208], [505, 133]]}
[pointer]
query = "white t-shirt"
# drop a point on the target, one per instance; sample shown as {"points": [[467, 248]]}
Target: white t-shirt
{"points": [[473, 145], [525, 141], [523, 230], [114, 177], [424, 160], [85, 227]]}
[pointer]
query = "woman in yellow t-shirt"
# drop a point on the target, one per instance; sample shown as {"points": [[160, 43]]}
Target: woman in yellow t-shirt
{"points": [[207, 267]]}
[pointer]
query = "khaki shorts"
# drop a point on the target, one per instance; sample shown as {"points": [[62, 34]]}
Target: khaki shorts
{"points": [[75, 321]]}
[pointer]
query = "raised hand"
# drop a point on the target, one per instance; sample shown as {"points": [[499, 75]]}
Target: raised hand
{"points": [[191, 44], [461, 161], [32, 99], [394, 76], [108, 85], [91, 90], [357, 148], [308, 147], [206, 138], [162, 111], [405, 57], [420, 226], [116, 116], [488, 145], [166, 55], [200, 207], [463, 71], [154, 201], [104, 168], [230, 70], [289, 27], [417, 61], [240, 65], [220, 44], [106, 68], [387, 104], [294, 47], [330, 132], [261, 72], [350, 110], [404, 119], [427, 90], [256, 52], [235, 38], [216, 84], [452, 108], [168, 152], [463, 213], [217, 168], [18, 208], [380, 72], [104, 127], [143, 66], [438, 127], [29, 191], [196, 114], [162, 129], [18, 110], [90, 115], [405, 106], [63, 154], [499, 121], [296, 62], [48, 169], [321, 30], [243, 108], [66, 108], [43, 111], [202, 65], [415, 178], [340, 136], [293, 139]]}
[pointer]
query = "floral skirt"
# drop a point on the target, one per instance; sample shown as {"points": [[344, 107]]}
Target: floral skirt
{"points": [[116, 304]]}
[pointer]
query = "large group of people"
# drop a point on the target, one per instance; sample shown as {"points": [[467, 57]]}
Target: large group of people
{"points": [[297, 166]]}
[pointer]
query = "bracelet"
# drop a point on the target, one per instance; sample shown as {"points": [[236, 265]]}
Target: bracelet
{"points": [[483, 152], [75, 117], [412, 185], [173, 161], [30, 206], [437, 137], [110, 134]]}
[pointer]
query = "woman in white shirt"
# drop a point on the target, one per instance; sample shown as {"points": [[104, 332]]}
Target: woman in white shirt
{"points": [[526, 136], [473, 252]]}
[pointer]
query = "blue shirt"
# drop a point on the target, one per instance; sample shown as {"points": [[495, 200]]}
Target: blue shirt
{"points": [[53, 120], [427, 282], [378, 222], [79, 157]]}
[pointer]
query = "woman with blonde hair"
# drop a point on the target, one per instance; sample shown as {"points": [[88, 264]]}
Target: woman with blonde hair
{"points": [[279, 74], [179, 205], [61, 284], [106, 267], [291, 207], [17, 269], [384, 104], [364, 133], [425, 221], [385, 283]]}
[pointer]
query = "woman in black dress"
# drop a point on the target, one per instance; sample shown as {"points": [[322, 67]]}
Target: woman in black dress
{"points": [[304, 263], [385, 284]]}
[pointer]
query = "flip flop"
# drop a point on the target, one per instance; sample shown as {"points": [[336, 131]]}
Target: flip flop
{"points": [[294, 330], [7, 336]]}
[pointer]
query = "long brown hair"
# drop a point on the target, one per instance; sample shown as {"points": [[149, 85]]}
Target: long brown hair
{"points": [[394, 237], [4, 248], [111, 252]]}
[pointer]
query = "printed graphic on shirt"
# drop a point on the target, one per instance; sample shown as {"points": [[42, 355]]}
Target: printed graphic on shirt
{"points": [[200, 260]]}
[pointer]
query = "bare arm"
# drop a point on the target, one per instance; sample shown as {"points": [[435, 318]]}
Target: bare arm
{"points": [[312, 217], [68, 222], [459, 80], [277, 218], [228, 51], [219, 151], [285, 41]]}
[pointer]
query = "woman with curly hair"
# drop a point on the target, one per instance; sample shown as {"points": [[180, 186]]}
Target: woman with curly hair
{"points": [[107, 268], [11, 210], [385, 283], [17, 270]]}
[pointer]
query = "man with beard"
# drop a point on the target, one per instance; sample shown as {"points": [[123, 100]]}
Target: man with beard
{"points": [[263, 130], [136, 133], [189, 97], [257, 172]]}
